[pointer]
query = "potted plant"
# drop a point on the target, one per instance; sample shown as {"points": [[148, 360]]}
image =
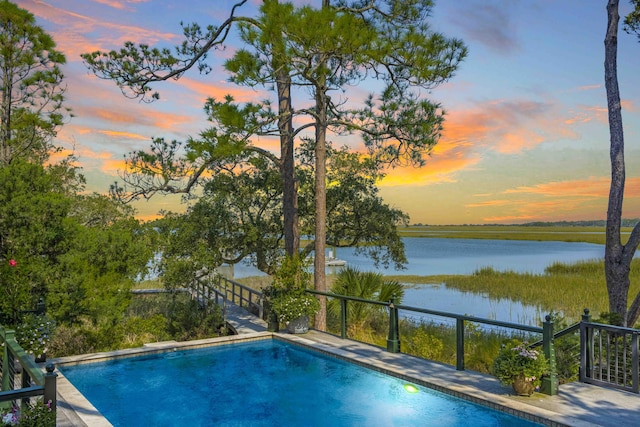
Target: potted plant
{"points": [[520, 366], [287, 298], [294, 309], [34, 334]]}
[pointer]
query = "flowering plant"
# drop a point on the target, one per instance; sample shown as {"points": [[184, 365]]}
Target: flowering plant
{"points": [[286, 295], [10, 417], [34, 334], [34, 415], [294, 304], [515, 360]]}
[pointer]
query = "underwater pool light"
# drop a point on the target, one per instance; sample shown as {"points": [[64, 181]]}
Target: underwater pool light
{"points": [[410, 388]]}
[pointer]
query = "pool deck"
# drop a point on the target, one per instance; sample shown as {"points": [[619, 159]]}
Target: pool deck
{"points": [[576, 405]]}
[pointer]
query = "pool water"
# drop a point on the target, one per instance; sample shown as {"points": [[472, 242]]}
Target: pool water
{"points": [[265, 383]]}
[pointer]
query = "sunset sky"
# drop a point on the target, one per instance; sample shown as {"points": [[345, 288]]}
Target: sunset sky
{"points": [[526, 132]]}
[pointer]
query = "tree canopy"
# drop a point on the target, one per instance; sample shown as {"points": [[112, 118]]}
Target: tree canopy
{"points": [[32, 107], [79, 253], [296, 52]]}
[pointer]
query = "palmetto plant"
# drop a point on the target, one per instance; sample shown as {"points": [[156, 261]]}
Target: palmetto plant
{"points": [[365, 285]]}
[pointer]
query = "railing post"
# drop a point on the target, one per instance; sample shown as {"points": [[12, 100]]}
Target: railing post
{"points": [[7, 369], [586, 343], [50, 386], [635, 364], [549, 381], [260, 302], [6, 372], [459, 344], [343, 318], [393, 341]]}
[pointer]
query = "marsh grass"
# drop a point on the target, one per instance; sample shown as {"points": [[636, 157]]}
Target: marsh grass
{"points": [[569, 288]]}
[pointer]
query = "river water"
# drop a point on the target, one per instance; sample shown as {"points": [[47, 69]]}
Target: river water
{"points": [[434, 256]]}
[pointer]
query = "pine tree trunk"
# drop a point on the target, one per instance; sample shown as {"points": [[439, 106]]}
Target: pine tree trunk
{"points": [[319, 278], [287, 165]]}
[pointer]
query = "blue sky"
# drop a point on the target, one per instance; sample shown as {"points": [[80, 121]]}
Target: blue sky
{"points": [[526, 137]]}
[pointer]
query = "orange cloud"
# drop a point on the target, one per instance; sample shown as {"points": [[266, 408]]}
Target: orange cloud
{"points": [[125, 135], [592, 187], [437, 170], [218, 90], [628, 105], [504, 126], [490, 203], [565, 200], [508, 219], [145, 117]]}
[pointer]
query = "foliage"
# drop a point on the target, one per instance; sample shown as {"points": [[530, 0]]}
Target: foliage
{"points": [[32, 87], [356, 214], [286, 294], [79, 254], [38, 414], [285, 46], [292, 274], [423, 344], [516, 359], [187, 320], [295, 304], [148, 318], [569, 288], [100, 266], [35, 333], [33, 232], [366, 285], [632, 20]]}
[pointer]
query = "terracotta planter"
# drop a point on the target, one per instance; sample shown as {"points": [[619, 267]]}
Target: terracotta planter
{"points": [[299, 325], [522, 387]]}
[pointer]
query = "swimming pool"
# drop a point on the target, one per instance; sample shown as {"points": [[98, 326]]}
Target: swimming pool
{"points": [[265, 383]]}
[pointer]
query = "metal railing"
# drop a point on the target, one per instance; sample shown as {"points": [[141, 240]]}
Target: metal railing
{"points": [[550, 381], [219, 290], [241, 295], [609, 355], [22, 379]]}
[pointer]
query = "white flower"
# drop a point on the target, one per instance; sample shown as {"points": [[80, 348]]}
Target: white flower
{"points": [[10, 418]]}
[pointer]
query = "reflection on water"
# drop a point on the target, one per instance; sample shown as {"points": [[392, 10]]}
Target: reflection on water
{"points": [[440, 298], [434, 256]]}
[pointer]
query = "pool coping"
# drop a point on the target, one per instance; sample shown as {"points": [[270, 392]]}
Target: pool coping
{"points": [[468, 385]]}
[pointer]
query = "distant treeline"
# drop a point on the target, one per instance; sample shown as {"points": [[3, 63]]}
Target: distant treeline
{"points": [[594, 223]]}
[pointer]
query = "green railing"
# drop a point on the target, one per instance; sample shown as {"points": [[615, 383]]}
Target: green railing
{"points": [[22, 379], [241, 295], [550, 381], [254, 301], [610, 355]]}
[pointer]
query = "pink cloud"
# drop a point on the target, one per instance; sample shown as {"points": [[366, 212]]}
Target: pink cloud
{"points": [[72, 29], [588, 87], [119, 4]]}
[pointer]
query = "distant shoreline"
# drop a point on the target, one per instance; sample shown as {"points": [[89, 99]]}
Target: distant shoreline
{"points": [[561, 233]]}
